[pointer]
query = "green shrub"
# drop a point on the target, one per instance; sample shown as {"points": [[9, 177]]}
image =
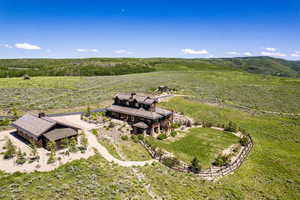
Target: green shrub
{"points": [[5, 122], [124, 137], [244, 141], [134, 138], [170, 161], [175, 125], [221, 160], [26, 77], [141, 137], [52, 147], [73, 145], [21, 157], [10, 149], [83, 142], [173, 133], [231, 127], [206, 124], [34, 152], [195, 166], [162, 136], [95, 132], [88, 111]]}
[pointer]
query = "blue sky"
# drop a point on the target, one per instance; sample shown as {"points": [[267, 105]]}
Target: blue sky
{"points": [[149, 28]]}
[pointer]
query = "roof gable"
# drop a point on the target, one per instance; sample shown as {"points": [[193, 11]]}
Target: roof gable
{"points": [[34, 125], [137, 97]]}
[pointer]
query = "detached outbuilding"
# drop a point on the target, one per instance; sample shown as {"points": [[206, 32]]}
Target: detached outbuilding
{"points": [[40, 129]]}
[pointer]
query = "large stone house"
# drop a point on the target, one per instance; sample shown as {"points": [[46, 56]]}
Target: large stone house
{"points": [[40, 129], [142, 113]]}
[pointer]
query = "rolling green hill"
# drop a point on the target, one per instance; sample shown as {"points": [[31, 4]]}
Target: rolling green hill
{"points": [[120, 66]]}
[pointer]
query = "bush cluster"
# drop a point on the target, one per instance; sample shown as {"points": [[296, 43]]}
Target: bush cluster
{"points": [[10, 149], [21, 157], [206, 124], [170, 161], [124, 137], [221, 160], [244, 141], [195, 166], [162, 136], [134, 138], [173, 133], [175, 125], [231, 127]]}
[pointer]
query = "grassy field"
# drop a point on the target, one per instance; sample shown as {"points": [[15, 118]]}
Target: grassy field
{"points": [[271, 171], [203, 143], [110, 147], [119, 66], [93, 178], [134, 151], [223, 87]]}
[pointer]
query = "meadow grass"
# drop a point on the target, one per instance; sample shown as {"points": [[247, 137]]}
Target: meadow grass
{"points": [[134, 151], [110, 147], [223, 87], [93, 178], [203, 143], [271, 171]]}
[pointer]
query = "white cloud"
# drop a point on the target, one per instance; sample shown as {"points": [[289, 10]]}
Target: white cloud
{"points": [[27, 46], [297, 52], [277, 54], [6, 46], [122, 51], [271, 49], [87, 50], [248, 54], [194, 52], [233, 53], [295, 55]]}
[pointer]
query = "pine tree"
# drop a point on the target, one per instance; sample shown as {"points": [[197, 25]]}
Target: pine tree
{"points": [[195, 165], [10, 149], [21, 157]]}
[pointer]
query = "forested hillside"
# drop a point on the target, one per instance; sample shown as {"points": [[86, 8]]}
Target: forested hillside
{"points": [[120, 66]]}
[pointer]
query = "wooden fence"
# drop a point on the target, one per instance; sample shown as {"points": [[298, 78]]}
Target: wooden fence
{"points": [[213, 172]]}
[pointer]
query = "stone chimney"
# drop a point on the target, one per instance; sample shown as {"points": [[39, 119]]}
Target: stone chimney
{"points": [[132, 94], [42, 114]]}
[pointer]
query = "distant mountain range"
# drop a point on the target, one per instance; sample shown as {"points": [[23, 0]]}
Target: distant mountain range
{"points": [[119, 66]]}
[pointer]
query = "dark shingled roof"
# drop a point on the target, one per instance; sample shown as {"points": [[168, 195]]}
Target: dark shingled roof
{"points": [[141, 125], [163, 112], [35, 126], [60, 133], [135, 112], [138, 97]]}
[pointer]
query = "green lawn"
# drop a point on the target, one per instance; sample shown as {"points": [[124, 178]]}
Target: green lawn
{"points": [[134, 151], [203, 143]]}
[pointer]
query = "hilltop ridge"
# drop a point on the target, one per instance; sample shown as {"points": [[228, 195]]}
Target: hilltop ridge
{"points": [[120, 66]]}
